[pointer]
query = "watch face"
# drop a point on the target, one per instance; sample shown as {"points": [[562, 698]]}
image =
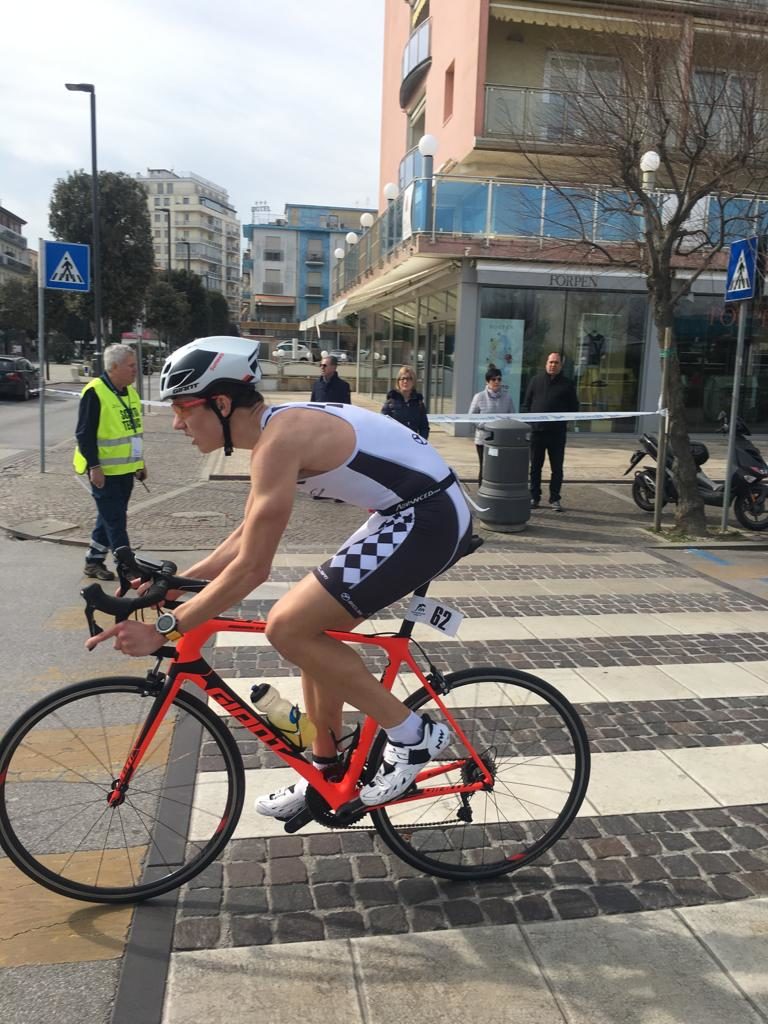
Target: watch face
{"points": [[166, 623]]}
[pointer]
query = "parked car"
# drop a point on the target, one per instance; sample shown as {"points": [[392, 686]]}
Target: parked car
{"points": [[18, 377], [341, 354], [305, 353]]}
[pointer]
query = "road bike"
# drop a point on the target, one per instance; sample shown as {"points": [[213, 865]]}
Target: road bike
{"points": [[116, 790]]}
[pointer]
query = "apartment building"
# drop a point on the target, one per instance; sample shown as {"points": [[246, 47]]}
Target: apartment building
{"points": [[287, 267], [195, 228], [15, 262], [479, 255]]}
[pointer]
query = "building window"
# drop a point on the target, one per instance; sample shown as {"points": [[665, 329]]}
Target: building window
{"points": [[158, 202], [185, 200], [169, 188], [448, 93], [273, 248]]}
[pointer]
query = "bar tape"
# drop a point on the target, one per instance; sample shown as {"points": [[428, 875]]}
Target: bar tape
{"points": [[524, 417]]}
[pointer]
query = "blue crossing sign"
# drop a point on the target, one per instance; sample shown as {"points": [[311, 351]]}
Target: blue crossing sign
{"points": [[67, 266], [742, 270]]}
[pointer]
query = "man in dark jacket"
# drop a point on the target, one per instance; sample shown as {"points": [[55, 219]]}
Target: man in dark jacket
{"points": [[330, 387], [549, 391]]}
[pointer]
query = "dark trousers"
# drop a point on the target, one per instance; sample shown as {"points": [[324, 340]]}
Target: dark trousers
{"points": [[111, 529], [480, 449], [544, 442]]}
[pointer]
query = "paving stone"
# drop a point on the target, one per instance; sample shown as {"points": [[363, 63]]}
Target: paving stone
{"points": [[499, 911], [356, 842], [285, 846], [533, 908], [209, 878], [757, 882], [615, 899], [284, 898], [646, 869], [201, 903], [387, 920], [372, 893], [644, 845], [250, 931], [572, 903], [571, 873], [244, 873], [332, 895], [299, 928], [246, 900], [287, 871], [428, 917], [656, 895], [254, 850], [463, 912], [331, 869], [713, 817], [711, 840], [728, 887], [715, 863], [747, 837], [610, 870], [692, 891], [680, 866], [608, 847], [749, 860], [343, 925], [371, 867], [196, 933], [417, 890], [325, 845]]}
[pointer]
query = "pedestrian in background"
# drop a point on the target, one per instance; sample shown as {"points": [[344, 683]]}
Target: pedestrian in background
{"points": [[492, 399], [549, 391], [330, 387], [110, 450], [405, 404]]}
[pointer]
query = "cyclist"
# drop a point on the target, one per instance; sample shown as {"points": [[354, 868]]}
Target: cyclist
{"points": [[420, 525]]}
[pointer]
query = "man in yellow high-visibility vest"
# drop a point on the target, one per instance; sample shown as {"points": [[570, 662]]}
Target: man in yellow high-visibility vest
{"points": [[110, 450]]}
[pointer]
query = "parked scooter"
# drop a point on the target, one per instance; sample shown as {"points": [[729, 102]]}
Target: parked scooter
{"points": [[749, 483]]}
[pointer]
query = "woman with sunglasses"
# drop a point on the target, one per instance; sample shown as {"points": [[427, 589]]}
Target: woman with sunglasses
{"points": [[405, 404]]}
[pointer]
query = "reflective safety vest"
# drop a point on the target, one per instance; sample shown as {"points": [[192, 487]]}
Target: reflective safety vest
{"points": [[119, 433]]}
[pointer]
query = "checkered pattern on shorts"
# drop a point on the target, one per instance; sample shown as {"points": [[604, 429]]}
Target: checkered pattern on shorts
{"points": [[364, 556]]}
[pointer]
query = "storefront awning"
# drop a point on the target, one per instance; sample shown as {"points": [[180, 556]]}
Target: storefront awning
{"points": [[325, 316], [594, 20]]}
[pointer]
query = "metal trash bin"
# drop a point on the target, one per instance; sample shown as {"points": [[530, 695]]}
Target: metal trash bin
{"points": [[503, 496]]}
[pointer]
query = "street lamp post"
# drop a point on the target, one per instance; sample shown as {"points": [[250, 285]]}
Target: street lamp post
{"points": [[91, 90], [189, 247], [166, 210], [366, 223], [390, 194], [649, 165], [428, 148]]}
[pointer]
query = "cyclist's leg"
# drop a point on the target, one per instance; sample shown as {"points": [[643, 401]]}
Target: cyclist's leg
{"points": [[323, 707]]}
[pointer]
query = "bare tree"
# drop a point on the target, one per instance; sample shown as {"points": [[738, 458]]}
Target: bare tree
{"points": [[694, 94]]}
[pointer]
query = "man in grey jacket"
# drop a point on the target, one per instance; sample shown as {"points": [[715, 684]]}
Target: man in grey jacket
{"points": [[492, 399]]}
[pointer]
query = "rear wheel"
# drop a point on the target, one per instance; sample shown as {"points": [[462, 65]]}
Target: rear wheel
{"points": [[644, 493], [532, 743], [58, 763], [752, 509]]}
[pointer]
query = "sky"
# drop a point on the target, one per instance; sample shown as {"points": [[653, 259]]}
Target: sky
{"points": [[276, 102]]}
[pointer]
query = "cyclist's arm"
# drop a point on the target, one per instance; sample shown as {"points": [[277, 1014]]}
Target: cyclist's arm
{"points": [[274, 470]]}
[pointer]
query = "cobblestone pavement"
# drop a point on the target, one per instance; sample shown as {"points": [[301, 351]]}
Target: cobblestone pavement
{"points": [[662, 853]]}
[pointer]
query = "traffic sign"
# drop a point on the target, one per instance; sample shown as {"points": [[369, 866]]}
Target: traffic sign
{"points": [[742, 270], [67, 266]]}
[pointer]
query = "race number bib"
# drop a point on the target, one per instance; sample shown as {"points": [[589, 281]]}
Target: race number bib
{"points": [[435, 614], [137, 446]]}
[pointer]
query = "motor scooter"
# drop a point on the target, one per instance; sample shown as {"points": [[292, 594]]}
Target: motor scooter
{"points": [[749, 482]]}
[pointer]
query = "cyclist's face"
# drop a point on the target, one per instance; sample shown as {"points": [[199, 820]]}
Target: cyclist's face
{"points": [[195, 418]]}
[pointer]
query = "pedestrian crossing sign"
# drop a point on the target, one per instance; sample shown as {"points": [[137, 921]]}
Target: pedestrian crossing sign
{"points": [[67, 266], [742, 270]]}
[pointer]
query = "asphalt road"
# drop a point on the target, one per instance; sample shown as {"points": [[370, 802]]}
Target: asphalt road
{"points": [[20, 423]]}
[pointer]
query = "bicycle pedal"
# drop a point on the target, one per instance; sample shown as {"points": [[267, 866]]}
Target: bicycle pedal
{"points": [[350, 812], [298, 820]]}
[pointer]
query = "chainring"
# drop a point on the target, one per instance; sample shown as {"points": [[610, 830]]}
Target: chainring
{"points": [[322, 813]]}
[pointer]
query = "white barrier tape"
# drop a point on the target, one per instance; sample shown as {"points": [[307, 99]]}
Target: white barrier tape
{"points": [[525, 417], [538, 417]]}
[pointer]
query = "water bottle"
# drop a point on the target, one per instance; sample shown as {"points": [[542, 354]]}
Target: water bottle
{"points": [[286, 718]]}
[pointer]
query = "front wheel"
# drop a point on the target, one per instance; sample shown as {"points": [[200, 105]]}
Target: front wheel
{"points": [[752, 509], [58, 763], [534, 746]]}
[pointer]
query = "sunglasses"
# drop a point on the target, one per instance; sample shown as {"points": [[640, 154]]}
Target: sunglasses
{"points": [[183, 409], [405, 378]]}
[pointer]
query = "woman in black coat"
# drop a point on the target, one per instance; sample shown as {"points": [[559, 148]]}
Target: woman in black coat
{"points": [[405, 404]]}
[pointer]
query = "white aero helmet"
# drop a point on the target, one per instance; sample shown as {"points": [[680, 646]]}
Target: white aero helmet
{"points": [[197, 369]]}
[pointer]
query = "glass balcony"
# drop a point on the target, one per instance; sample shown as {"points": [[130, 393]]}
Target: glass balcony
{"points": [[410, 166], [416, 60]]}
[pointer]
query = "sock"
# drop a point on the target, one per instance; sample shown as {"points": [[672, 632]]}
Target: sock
{"points": [[408, 732]]}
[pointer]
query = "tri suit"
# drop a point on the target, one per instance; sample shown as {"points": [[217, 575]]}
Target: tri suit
{"points": [[420, 523]]}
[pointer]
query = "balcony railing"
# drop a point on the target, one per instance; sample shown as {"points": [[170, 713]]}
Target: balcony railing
{"points": [[573, 118], [410, 168], [13, 264], [491, 209], [315, 258], [9, 235], [417, 49]]}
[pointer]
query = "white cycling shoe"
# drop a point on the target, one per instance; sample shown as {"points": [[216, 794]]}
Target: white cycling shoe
{"points": [[401, 763], [285, 802]]}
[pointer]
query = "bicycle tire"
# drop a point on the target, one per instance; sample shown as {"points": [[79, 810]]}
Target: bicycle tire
{"points": [[536, 745], [57, 765]]}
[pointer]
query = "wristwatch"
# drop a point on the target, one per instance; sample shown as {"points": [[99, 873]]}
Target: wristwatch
{"points": [[168, 626]]}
